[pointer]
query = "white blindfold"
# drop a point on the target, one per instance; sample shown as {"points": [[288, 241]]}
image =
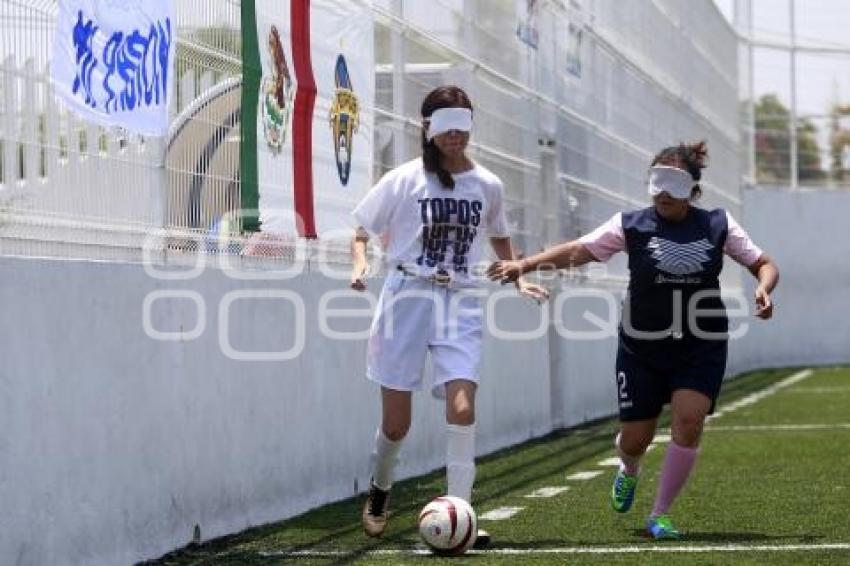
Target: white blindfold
{"points": [[671, 180], [446, 119]]}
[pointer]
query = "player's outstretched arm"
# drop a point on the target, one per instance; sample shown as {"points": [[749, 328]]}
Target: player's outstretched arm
{"points": [[505, 252], [767, 274], [359, 263], [566, 255]]}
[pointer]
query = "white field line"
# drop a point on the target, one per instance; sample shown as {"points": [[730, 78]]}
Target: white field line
{"points": [[778, 427], [635, 549], [583, 476], [545, 492], [500, 514], [614, 461], [759, 395], [822, 389]]}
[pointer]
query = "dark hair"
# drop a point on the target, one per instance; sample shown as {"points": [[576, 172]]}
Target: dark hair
{"points": [[690, 157], [448, 96]]}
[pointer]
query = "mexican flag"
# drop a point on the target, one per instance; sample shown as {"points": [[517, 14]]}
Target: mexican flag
{"points": [[307, 124]]}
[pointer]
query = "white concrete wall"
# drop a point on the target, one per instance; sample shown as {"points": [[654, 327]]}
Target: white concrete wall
{"points": [[113, 446], [807, 233]]}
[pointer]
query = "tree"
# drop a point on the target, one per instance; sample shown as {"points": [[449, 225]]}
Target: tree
{"points": [[773, 144], [839, 142]]}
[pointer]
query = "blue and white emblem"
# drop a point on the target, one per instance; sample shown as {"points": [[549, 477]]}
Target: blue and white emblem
{"points": [[344, 119], [680, 259]]}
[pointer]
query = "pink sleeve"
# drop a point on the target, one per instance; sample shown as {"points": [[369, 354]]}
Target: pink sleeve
{"points": [[607, 239], [738, 245]]}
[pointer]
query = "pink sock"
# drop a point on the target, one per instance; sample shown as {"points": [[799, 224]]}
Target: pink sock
{"points": [[678, 463]]}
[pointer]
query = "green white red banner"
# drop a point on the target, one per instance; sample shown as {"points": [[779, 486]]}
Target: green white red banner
{"points": [[307, 125]]}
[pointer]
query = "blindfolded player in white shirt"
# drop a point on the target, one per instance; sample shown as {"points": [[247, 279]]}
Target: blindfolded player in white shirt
{"points": [[433, 215]]}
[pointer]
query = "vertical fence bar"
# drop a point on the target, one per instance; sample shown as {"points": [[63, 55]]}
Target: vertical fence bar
{"points": [[10, 126], [51, 132], [29, 120], [792, 116]]}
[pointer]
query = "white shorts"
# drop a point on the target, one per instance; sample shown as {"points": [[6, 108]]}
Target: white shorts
{"points": [[415, 316]]}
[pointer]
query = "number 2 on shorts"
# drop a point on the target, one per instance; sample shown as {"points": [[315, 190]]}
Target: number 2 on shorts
{"points": [[621, 379]]}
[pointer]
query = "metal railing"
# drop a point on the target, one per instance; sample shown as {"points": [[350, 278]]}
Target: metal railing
{"points": [[570, 124]]}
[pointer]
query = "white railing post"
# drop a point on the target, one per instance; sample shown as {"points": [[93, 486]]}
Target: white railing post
{"points": [[187, 88], [10, 133], [159, 176], [207, 81], [51, 132], [29, 121]]}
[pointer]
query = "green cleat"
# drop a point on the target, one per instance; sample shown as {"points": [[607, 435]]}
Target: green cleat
{"points": [[623, 491], [662, 528]]}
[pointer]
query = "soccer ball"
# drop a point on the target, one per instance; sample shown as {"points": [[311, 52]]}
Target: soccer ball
{"points": [[448, 525]]}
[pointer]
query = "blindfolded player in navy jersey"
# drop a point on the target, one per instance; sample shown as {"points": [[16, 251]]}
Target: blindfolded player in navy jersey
{"points": [[674, 330]]}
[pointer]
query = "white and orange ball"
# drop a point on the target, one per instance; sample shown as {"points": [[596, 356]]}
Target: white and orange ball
{"points": [[448, 525]]}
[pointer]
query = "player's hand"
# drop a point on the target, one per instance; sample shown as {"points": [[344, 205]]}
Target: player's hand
{"points": [[358, 277], [764, 306], [505, 271], [538, 293]]}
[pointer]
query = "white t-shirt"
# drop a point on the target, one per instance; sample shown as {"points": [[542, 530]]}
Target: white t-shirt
{"points": [[608, 239], [427, 227]]}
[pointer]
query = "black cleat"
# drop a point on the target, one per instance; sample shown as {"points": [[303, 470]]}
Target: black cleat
{"points": [[483, 540], [375, 511]]}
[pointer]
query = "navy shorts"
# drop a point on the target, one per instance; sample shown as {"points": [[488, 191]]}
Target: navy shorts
{"points": [[648, 373]]}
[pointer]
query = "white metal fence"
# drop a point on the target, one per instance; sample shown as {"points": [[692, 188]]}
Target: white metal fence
{"points": [[71, 188], [569, 123], [794, 61]]}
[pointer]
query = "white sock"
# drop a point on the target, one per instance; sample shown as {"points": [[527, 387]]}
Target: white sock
{"points": [[629, 464], [460, 460], [384, 460]]}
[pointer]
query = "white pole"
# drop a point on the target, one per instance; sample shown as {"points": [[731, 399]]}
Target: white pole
{"points": [[792, 125], [397, 40], [752, 95], [743, 22]]}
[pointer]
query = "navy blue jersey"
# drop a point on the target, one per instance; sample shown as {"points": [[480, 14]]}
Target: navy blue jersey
{"points": [[674, 269]]}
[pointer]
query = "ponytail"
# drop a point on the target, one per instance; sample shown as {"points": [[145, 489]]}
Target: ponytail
{"points": [[432, 163]]}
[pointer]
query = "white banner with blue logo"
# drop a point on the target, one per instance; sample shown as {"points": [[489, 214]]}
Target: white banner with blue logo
{"points": [[113, 61]]}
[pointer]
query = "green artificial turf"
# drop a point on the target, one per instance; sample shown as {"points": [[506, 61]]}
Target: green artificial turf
{"points": [[752, 487]]}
